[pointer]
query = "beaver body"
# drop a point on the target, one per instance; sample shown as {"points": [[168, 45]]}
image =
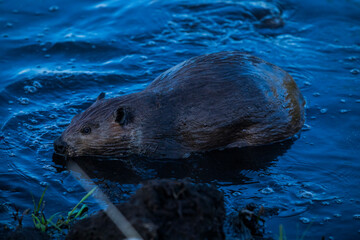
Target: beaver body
{"points": [[215, 101]]}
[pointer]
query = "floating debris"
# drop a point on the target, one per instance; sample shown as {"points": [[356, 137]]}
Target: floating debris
{"points": [[235, 194], [44, 184], [351, 58], [34, 121], [52, 116], [338, 201], [267, 190], [304, 220], [306, 194], [53, 8], [323, 110], [30, 89], [49, 167], [37, 84], [355, 71], [306, 127], [23, 101]]}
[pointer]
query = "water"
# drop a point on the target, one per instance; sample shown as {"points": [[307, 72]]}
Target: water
{"points": [[57, 56]]}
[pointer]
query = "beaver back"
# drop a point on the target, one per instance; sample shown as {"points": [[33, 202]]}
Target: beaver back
{"points": [[229, 99]]}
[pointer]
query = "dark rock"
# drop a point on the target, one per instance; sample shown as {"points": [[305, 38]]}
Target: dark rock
{"points": [[163, 209], [21, 234]]}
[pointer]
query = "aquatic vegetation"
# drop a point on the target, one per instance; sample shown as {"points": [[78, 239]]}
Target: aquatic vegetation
{"points": [[19, 218], [44, 224], [282, 233]]}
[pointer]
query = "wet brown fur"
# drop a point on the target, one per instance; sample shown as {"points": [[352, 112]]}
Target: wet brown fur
{"points": [[214, 101]]}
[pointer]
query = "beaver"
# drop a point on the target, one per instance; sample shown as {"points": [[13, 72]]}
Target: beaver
{"points": [[210, 102]]}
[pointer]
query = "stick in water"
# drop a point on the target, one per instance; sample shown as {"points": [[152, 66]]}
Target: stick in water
{"points": [[112, 212]]}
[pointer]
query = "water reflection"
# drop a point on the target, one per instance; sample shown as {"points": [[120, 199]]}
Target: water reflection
{"points": [[222, 166]]}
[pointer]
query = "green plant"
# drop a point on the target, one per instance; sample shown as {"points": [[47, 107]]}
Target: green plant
{"points": [[282, 234], [43, 224]]}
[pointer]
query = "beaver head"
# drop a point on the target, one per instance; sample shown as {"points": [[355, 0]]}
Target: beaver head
{"points": [[99, 130]]}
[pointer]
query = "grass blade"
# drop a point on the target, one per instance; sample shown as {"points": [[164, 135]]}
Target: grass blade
{"points": [[82, 211], [81, 201], [41, 198], [54, 225], [36, 221], [52, 216]]}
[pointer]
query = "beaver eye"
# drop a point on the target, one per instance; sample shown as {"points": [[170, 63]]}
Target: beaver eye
{"points": [[85, 130]]}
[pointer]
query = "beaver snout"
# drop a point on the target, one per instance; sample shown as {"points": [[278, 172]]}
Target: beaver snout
{"points": [[60, 146]]}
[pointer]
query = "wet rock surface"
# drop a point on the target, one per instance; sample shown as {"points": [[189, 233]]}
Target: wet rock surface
{"points": [[163, 209]]}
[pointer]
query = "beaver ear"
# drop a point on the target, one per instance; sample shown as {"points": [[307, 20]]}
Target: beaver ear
{"points": [[101, 96], [122, 116]]}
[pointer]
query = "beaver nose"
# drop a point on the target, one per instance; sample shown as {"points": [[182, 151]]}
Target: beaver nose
{"points": [[60, 146]]}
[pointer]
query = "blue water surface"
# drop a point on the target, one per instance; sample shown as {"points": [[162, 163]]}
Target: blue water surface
{"points": [[57, 56]]}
